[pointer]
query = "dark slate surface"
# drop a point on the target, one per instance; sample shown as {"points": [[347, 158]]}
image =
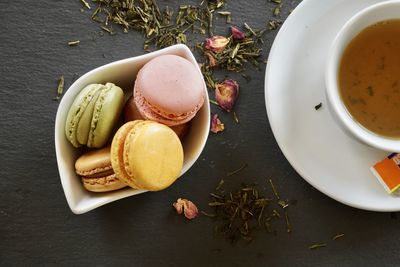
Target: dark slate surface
{"points": [[36, 225]]}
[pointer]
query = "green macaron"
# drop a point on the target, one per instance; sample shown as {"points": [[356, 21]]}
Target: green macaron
{"points": [[93, 115]]}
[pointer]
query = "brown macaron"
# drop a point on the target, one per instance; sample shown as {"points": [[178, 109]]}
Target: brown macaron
{"points": [[96, 172]]}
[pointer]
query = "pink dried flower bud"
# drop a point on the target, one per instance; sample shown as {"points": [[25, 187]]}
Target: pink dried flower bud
{"points": [[216, 43], [187, 207], [237, 34], [190, 210], [216, 124], [178, 205], [212, 62], [226, 94]]}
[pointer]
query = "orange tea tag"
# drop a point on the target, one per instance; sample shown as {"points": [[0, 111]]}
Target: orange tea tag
{"points": [[388, 172]]}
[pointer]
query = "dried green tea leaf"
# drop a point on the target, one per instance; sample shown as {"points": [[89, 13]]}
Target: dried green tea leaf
{"points": [[220, 184], [227, 14], [213, 102], [86, 4], [277, 10], [316, 246], [60, 87], [241, 212], [208, 214], [337, 236], [235, 117], [237, 170], [73, 43], [274, 189], [317, 107]]}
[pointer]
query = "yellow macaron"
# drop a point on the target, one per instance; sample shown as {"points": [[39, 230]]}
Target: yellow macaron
{"points": [[146, 155]]}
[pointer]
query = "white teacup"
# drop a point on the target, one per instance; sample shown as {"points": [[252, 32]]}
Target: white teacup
{"points": [[379, 12]]}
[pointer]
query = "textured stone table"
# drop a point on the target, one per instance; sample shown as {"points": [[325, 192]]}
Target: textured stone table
{"points": [[36, 225]]}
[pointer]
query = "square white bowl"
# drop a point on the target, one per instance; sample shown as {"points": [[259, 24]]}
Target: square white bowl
{"points": [[122, 73]]}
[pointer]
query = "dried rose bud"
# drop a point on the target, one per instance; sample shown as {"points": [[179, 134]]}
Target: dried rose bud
{"points": [[216, 43], [237, 34], [188, 207], [178, 205], [211, 59], [190, 210], [216, 124], [226, 94]]}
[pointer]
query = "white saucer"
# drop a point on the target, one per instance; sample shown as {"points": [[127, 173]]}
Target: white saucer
{"points": [[313, 143]]}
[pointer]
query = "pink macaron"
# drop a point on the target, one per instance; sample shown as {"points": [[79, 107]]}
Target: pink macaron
{"points": [[169, 89], [132, 113]]}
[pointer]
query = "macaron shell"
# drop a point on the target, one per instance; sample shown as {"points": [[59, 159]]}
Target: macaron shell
{"points": [[103, 184], [94, 163], [83, 127], [172, 86], [96, 171], [105, 115], [117, 150], [131, 112], [181, 130], [76, 111], [153, 154], [147, 113]]}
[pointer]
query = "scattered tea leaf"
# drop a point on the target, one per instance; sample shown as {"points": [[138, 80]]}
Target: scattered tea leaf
{"points": [[316, 246], [250, 29], [235, 117], [213, 102], [277, 11], [237, 170], [274, 24], [288, 225], [60, 87], [227, 14], [73, 43], [338, 236], [208, 214], [215, 203], [159, 26], [106, 29], [241, 212], [86, 4], [234, 56], [221, 183], [274, 189], [317, 107]]}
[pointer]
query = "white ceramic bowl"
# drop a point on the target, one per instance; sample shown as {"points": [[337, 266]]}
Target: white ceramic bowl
{"points": [[366, 17], [122, 73]]}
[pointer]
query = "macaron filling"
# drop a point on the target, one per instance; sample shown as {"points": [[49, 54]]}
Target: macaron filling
{"points": [[186, 116], [148, 113]]}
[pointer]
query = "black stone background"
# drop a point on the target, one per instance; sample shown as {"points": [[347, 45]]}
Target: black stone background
{"points": [[36, 225]]}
